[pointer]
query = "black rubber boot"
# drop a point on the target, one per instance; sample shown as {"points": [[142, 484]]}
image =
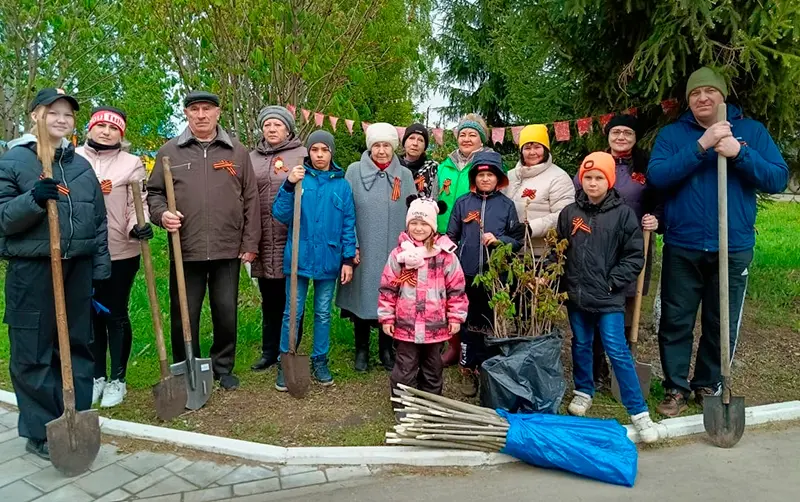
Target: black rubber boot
{"points": [[362, 336], [386, 351]]}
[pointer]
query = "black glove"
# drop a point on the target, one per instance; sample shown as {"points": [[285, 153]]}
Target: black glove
{"points": [[144, 233], [44, 190]]}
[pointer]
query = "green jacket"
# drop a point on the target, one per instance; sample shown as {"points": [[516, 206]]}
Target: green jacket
{"points": [[457, 185]]}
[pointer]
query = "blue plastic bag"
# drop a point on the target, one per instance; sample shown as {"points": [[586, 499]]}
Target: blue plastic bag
{"points": [[591, 447]]}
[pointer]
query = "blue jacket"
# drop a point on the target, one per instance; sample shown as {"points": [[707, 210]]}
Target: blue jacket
{"points": [[327, 223], [497, 215], [689, 180]]}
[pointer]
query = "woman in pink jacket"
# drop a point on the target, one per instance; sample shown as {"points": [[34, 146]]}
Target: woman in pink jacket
{"points": [[422, 270], [115, 169]]}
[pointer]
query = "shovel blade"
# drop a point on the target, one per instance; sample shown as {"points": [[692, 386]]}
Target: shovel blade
{"points": [[724, 423], [643, 372], [74, 440], [297, 373], [198, 396], [169, 396]]}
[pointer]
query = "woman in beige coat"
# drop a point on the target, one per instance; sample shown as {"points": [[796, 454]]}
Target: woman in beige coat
{"points": [[539, 188]]}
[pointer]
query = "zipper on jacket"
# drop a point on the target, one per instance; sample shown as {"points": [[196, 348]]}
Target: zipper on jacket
{"points": [[69, 201], [483, 212], [208, 217]]}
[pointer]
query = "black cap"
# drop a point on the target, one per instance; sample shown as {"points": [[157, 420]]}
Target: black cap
{"points": [[200, 97], [50, 95], [416, 129]]}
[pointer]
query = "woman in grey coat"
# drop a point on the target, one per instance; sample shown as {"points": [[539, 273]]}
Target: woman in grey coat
{"points": [[380, 186], [276, 153]]}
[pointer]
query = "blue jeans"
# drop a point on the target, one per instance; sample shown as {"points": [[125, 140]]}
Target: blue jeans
{"points": [[323, 302], [612, 332]]}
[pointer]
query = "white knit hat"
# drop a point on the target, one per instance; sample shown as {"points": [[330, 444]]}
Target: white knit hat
{"points": [[425, 209], [382, 132]]}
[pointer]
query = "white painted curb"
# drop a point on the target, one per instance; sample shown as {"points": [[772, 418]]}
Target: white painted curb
{"points": [[377, 455]]}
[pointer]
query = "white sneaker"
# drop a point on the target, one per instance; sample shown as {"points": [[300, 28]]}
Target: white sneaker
{"points": [[645, 427], [97, 390], [580, 404], [114, 393]]}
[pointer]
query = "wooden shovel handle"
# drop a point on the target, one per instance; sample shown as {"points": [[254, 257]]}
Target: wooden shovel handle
{"points": [[177, 254], [147, 260], [62, 327], [298, 202], [637, 302], [724, 305]]}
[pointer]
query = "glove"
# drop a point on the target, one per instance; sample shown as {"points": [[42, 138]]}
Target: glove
{"points": [[144, 233], [44, 190]]}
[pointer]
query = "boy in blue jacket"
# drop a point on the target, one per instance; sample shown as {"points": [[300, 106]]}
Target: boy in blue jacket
{"points": [[327, 245], [684, 165]]}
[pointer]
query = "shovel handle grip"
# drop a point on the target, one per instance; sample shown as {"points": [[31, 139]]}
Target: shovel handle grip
{"points": [[62, 327], [177, 254], [298, 203], [637, 302], [724, 302], [147, 260]]}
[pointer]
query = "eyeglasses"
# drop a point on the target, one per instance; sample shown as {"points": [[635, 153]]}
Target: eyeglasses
{"points": [[627, 133]]}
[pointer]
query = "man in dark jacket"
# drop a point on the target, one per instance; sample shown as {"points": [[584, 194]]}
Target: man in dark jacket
{"points": [[684, 165], [219, 221]]}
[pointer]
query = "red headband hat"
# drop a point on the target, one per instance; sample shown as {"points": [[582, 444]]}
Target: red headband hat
{"points": [[108, 115]]}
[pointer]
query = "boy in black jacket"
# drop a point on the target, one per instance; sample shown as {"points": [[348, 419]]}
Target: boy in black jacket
{"points": [[605, 254]]}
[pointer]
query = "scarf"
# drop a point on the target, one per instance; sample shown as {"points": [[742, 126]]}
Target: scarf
{"points": [[101, 148]]}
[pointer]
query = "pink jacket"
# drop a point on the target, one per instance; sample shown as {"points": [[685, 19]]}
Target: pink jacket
{"points": [[119, 168], [414, 277]]}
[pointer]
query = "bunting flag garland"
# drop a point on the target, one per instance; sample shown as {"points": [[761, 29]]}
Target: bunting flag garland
{"points": [[292, 109], [306, 114], [349, 123], [319, 119], [631, 111], [515, 131], [438, 136], [334, 121], [562, 131], [584, 126], [498, 133], [401, 132], [364, 126], [669, 106], [605, 119]]}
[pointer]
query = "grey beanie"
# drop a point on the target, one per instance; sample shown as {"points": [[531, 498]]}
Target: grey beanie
{"points": [[280, 113], [320, 136]]}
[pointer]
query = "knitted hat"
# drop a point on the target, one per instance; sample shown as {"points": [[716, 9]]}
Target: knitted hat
{"points": [[200, 97], [703, 77], [280, 113], [320, 136], [602, 162], [382, 131], [109, 115], [488, 161], [536, 133], [623, 120], [416, 129], [425, 209], [475, 122]]}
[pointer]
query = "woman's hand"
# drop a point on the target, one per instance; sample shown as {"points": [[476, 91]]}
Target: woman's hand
{"points": [[347, 274], [357, 259], [649, 223]]}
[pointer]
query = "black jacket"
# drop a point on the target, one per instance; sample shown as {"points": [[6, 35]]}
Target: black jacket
{"points": [[605, 253], [498, 216], [24, 231]]}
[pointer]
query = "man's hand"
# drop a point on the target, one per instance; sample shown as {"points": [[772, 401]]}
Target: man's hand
{"points": [[171, 222], [649, 222], [357, 259], [728, 147], [714, 134], [454, 328], [247, 257], [489, 239], [298, 173], [388, 329], [347, 274]]}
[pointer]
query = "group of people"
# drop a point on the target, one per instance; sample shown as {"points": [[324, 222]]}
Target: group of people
{"points": [[403, 236]]}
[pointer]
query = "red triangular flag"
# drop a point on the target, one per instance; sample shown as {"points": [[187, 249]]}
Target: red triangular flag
{"points": [[401, 131], [631, 111], [306, 114], [364, 126], [498, 133], [562, 131], [584, 126], [455, 133], [515, 133], [319, 119], [349, 123], [669, 106], [334, 121], [605, 119], [292, 109], [438, 136]]}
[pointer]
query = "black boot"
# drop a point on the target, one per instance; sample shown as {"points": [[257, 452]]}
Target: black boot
{"points": [[386, 351], [362, 336], [39, 448], [270, 345]]}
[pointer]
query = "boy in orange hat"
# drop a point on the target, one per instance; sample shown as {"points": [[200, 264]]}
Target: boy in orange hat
{"points": [[605, 255]]}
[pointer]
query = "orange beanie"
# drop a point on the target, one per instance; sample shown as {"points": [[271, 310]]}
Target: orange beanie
{"points": [[604, 163]]}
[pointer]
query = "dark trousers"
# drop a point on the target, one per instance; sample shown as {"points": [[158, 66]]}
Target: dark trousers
{"points": [[35, 364], [112, 330], [480, 318], [692, 277], [222, 279], [418, 365], [273, 299], [362, 330]]}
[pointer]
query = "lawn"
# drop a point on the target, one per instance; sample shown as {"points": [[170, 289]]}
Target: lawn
{"points": [[356, 410]]}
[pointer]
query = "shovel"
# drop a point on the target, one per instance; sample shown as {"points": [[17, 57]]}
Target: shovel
{"points": [[74, 437], [643, 371], [723, 416], [199, 378], [295, 367], [170, 393]]}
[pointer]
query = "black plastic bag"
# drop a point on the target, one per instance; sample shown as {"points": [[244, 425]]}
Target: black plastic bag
{"points": [[525, 375]]}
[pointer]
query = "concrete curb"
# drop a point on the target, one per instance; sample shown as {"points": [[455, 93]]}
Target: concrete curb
{"points": [[378, 455]]}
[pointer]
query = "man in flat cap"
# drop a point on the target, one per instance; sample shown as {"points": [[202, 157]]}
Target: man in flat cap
{"points": [[219, 221]]}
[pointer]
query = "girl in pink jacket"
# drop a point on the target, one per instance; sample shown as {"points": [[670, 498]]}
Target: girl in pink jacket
{"points": [[422, 300]]}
